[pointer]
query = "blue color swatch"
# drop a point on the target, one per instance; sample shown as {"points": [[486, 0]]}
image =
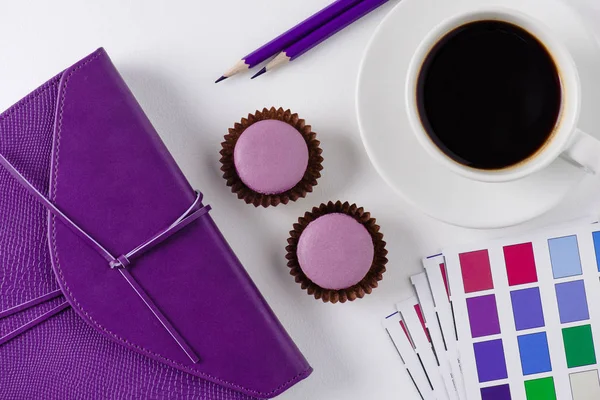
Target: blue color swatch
{"points": [[564, 256], [596, 237], [527, 308], [535, 356], [572, 302]]}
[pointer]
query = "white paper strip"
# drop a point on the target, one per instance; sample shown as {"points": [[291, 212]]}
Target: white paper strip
{"points": [[424, 348], [392, 325], [448, 359]]}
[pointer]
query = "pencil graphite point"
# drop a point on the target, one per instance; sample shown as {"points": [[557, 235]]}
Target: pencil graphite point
{"points": [[240, 66], [259, 73], [281, 59]]}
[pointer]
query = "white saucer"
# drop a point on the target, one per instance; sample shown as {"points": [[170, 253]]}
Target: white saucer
{"points": [[405, 165]]}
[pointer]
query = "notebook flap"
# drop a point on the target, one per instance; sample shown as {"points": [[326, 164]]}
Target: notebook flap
{"points": [[113, 176]]}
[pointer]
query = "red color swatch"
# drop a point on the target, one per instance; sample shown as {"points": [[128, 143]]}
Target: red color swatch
{"points": [[422, 319], [445, 278], [476, 271], [520, 264]]}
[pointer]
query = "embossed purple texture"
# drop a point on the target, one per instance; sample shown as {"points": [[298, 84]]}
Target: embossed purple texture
{"points": [[83, 140]]}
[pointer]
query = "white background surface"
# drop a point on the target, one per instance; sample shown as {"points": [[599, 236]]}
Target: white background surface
{"points": [[170, 53]]}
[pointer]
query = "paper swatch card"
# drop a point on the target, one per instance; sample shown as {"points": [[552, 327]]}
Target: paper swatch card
{"points": [[398, 333], [527, 314], [413, 319], [446, 353]]}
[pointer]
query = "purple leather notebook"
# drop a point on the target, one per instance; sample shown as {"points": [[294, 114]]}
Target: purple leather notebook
{"points": [[175, 316]]}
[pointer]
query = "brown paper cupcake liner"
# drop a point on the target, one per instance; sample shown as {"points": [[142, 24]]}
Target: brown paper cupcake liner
{"points": [[309, 180], [362, 288]]}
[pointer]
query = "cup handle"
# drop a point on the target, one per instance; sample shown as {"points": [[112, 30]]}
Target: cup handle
{"points": [[584, 151]]}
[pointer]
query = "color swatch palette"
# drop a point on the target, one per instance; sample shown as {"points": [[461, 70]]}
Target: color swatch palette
{"points": [[508, 319], [526, 315]]}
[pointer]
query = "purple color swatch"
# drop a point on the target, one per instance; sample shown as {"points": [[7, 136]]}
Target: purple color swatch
{"points": [[501, 392], [483, 316], [489, 357], [527, 308], [572, 302]]}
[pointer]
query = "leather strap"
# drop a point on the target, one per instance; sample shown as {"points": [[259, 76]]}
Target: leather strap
{"points": [[121, 262], [31, 303], [34, 322]]}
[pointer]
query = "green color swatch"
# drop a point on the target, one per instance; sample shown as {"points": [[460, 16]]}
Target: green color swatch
{"points": [[579, 346], [540, 389]]}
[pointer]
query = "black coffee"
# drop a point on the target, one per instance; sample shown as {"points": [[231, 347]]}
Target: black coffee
{"points": [[489, 95]]}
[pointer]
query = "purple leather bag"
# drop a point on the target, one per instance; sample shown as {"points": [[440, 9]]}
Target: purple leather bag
{"points": [[84, 178]]}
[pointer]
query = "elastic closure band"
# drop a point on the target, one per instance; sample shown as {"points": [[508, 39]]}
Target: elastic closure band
{"points": [[121, 262], [31, 303], [34, 322]]}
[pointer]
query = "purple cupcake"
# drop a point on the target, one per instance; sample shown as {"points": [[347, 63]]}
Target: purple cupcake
{"points": [[271, 157], [336, 252]]}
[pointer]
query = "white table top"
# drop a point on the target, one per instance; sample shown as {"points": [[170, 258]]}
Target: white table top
{"points": [[170, 53]]}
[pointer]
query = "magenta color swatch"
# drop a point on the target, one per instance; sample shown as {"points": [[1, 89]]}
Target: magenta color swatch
{"points": [[476, 271], [501, 392], [483, 316], [422, 320], [489, 357], [520, 264], [445, 278], [406, 333]]}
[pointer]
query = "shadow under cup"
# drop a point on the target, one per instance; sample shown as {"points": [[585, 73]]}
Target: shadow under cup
{"points": [[489, 95]]}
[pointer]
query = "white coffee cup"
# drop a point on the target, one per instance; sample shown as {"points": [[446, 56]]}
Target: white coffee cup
{"points": [[565, 141]]}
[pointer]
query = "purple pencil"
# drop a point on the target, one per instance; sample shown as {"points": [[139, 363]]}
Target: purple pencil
{"points": [[289, 37], [321, 34]]}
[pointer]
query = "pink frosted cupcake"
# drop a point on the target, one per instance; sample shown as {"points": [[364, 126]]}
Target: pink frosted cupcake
{"points": [[336, 252], [271, 157]]}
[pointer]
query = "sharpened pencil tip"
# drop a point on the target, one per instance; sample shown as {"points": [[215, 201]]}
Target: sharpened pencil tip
{"points": [[259, 73], [221, 79]]}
